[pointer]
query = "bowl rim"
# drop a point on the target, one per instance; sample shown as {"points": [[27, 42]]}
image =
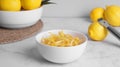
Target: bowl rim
{"points": [[36, 38], [41, 7]]}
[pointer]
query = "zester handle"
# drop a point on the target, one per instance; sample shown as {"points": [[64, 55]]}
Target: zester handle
{"points": [[114, 32]]}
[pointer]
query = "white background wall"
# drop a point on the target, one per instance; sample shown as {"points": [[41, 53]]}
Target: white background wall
{"points": [[75, 8]]}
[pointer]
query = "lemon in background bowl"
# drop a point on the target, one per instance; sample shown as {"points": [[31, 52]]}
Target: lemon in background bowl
{"points": [[31, 4], [10, 5]]}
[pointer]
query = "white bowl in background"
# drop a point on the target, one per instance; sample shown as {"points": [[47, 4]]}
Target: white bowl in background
{"points": [[20, 19], [61, 54]]}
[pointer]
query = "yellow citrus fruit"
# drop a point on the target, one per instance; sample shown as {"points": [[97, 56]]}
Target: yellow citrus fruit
{"points": [[31, 4], [97, 32], [96, 13], [10, 5], [112, 15]]}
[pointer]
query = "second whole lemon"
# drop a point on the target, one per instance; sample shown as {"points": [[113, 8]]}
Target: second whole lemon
{"points": [[10, 5], [97, 32], [96, 13], [31, 4], [112, 15]]}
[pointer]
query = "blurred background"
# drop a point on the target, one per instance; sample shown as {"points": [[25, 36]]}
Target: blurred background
{"points": [[74, 8]]}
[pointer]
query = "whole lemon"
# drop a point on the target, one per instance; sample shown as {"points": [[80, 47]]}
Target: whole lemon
{"points": [[31, 4], [97, 32], [96, 13], [112, 15], [10, 5]]}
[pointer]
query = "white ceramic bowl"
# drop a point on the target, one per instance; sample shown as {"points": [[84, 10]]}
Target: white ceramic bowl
{"points": [[61, 54], [20, 19]]}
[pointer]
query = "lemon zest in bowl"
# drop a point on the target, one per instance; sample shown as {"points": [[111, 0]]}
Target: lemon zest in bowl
{"points": [[61, 40]]}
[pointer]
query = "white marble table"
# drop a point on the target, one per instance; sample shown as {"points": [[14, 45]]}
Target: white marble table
{"points": [[97, 54]]}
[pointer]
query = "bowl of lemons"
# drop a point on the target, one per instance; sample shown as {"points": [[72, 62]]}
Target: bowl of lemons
{"points": [[61, 46], [20, 13]]}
